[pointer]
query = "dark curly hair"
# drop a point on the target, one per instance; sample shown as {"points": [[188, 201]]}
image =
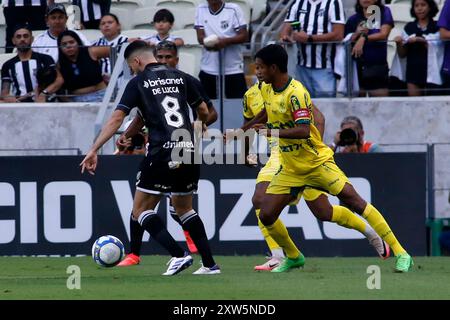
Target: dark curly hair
{"points": [[433, 9]]}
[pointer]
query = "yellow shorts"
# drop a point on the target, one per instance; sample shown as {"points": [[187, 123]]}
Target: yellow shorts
{"points": [[272, 166], [327, 177], [268, 172]]}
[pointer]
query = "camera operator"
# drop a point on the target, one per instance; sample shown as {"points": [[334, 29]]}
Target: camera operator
{"points": [[133, 145], [350, 139]]}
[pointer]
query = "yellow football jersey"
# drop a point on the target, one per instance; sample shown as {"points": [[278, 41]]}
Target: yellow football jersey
{"points": [[285, 108], [253, 102]]}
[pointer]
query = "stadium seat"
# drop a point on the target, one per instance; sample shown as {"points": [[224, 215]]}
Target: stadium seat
{"points": [[245, 6], [181, 4], [401, 1], [5, 57], [64, 2], [193, 55], [138, 33], [189, 36], [142, 18], [401, 12], [128, 3], [123, 15], [184, 18], [188, 63], [91, 34], [258, 9]]}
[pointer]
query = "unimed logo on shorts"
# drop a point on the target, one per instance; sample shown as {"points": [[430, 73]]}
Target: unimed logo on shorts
{"points": [[26, 228]]}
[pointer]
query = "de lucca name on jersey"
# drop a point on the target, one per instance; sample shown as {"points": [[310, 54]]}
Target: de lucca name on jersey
{"points": [[162, 86]]}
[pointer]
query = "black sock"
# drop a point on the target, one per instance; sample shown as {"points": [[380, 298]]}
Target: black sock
{"points": [[136, 232], [194, 225], [152, 223]]}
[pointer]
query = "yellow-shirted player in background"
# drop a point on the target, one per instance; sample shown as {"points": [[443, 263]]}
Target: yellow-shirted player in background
{"points": [[305, 160], [316, 200]]}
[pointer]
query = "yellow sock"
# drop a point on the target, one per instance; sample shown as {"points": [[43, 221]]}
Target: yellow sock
{"points": [[279, 233], [270, 242], [377, 222], [344, 217]]}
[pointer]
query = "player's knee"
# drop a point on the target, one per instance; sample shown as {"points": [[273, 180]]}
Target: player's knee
{"points": [[323, 213], [352, 199], [266, 218], [257, 200]]}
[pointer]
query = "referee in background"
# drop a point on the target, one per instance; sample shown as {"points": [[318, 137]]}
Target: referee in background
{"points": [[31, 12]]}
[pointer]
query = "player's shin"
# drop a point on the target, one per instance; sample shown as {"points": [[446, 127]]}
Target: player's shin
{"points": [[153, 224], [194, 225], [136, 233], [347, 219], [274, 247], [280, 234], [377, 222]]}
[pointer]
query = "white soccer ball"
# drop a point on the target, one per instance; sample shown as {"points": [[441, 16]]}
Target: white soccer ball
{"points": [[211, 41], [108, 251]]}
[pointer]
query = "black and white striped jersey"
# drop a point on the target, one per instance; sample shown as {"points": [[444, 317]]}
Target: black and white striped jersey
{"points": [[24, 3], [115, 43], [316, 17], [22, 74], [89, 9]]}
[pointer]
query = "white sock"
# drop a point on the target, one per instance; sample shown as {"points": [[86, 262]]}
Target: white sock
{"points": [[277, 253]]}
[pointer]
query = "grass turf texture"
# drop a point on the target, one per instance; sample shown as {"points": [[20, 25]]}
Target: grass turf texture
{"points": [[322, 278]]}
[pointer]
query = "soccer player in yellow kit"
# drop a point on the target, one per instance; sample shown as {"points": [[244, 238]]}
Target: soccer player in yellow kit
{"points": [[305, 160], [317, 200]]}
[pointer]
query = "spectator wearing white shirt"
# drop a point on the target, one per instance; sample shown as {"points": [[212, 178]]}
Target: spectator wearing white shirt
{"points": [[110, 28], [56, 19], [226, 21], [163, 21]]}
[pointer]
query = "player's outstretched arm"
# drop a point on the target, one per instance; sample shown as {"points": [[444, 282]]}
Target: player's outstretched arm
{"points": [[259, 118], [89, 162]]}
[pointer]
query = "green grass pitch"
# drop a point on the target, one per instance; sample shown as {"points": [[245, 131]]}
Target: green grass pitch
{"points": [[322, 278]]}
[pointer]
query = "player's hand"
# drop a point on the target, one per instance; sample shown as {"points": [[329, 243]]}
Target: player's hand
{"points": [[287, 38], [362, 28], [261, 128], [398, 40], [300, 36], [358, 48], [251, 160], [220, 44], [89, 162], [123, 142]]}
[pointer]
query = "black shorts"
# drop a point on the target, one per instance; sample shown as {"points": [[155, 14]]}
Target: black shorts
{"points": [[158, 178]]}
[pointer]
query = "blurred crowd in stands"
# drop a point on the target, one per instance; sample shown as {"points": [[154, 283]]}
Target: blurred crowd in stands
{"points": [[61, 64]]}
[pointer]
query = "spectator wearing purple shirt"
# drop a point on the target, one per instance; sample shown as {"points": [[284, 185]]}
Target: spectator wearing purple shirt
{"points": [[444, 29], [370, 47]]}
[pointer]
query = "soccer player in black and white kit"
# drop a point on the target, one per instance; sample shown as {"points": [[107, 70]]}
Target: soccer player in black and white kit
{"points": [[162, 94]]}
